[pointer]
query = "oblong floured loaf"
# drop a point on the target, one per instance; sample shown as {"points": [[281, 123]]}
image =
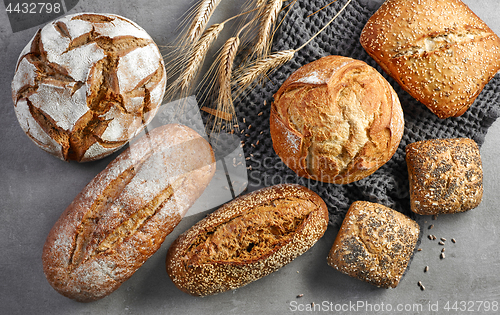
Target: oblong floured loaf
{"points": [[86, 84], [124, 214], [247, 239]]}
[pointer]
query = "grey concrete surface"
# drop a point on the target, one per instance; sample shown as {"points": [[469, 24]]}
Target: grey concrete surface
{"points": [[35, 188]]}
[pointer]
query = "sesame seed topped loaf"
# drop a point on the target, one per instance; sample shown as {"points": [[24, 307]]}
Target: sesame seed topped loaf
{"points": [[246, 239], [438, 51], [374, 244], [124, 214], [86, 84], [336, 120], [445, 175]]}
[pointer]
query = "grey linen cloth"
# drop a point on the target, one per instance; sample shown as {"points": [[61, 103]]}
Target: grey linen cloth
{"points": [[389, 184]]}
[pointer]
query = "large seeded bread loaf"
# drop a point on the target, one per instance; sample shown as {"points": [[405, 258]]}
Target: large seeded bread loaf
{"points": [[438, 51], [124, 214], [247, 239]]}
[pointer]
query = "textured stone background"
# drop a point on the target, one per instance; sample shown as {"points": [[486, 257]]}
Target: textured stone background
{"points": [[35, 188]]}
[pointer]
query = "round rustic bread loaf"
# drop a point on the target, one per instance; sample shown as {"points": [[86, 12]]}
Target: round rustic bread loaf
{"points": [[336, 120], [86, 84]]}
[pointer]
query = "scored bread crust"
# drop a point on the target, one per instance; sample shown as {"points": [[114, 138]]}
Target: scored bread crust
{"points": [[204, 270], [374, 244], [440, 52], [336, 120], [124, 214], [86, 84], [445, 175]]}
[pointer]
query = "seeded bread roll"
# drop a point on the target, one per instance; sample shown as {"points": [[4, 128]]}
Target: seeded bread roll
{"points": [[124, 214], [446, 175], [246, 239], [86, 84], [438, 51], [336, 120], [374, 244]]}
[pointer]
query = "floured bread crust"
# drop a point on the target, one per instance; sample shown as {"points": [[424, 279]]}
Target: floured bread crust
{"points": [[86, 84], [336, 120], [438, 51], [124, 214]]}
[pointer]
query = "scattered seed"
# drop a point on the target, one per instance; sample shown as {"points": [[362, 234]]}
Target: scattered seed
{"points": [[419, 250], [257, 143], [443, 239], [442, 256], [253, 145], [453, 240], [247, 135], [431, 226], [261, 132], [442, 251], [248, 158], [429, 237], [426, 268], [259, 114], [265, 102], [422, 287], [441, 243], [250, 126], [244, 120], [300, 295]]}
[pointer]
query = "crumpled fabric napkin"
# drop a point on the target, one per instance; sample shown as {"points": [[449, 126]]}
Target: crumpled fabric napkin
{"points": [[389, 184]]}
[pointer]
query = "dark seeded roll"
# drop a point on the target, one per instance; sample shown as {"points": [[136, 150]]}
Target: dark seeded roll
{"points": [[445, 175], [374, 244]]}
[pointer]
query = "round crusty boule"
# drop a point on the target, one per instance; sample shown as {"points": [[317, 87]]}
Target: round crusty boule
{"points": [[336, 120], [86, 84]]}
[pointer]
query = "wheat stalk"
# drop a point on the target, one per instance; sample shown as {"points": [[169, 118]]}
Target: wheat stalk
{"points": [[197, 56], [262, 66], [204, 11], [268, 20], [253, 73]]}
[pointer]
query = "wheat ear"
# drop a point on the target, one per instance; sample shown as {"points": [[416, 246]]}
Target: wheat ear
{"points": [[269, 17], [224, 77], [197, 56], [261, 67], [204, 11]]}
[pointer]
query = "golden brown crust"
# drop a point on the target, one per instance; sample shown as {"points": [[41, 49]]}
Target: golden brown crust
{"points": [[246, 239], [438, 51], [374, 244], [445, 175], [336, 120], [124, 214]]}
